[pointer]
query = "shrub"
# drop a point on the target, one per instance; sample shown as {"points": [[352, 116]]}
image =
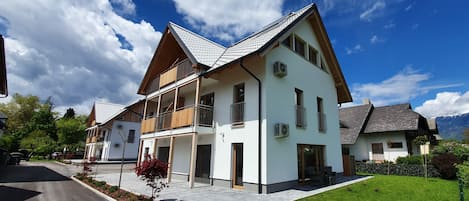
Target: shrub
{"points": [[463, 172], [153, 171], [113, 189], [459, 150], [410, 160], [446, 165]]}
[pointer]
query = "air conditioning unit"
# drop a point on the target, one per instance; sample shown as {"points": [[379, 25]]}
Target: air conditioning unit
{"points": [[280, 69], [281, 130]]}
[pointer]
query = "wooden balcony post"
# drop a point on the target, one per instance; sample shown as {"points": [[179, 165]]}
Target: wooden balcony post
{"points": [[155, 146], [197, 100], [170, 158], [193, 159], [158, 113], [145, 110], [140, 148]]}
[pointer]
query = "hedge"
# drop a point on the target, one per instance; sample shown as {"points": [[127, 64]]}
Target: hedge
{"points": [[396, 169]]}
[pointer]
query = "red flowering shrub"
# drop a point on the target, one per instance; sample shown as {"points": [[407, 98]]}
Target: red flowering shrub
{"points": [[153, 171]]}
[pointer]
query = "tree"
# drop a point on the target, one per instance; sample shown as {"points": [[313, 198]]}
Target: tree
{"points": [[39, 143], [153, 171], [70, 131], [69, 114], [44, 120]]}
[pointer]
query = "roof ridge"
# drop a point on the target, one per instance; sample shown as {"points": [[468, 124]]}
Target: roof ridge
{"points": [[108, 103], [272, 24], [196, 35]]}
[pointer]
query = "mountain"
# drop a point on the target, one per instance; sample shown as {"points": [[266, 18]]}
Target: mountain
{"points": [[453, 127]]}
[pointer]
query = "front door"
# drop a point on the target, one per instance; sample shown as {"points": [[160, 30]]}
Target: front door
{"points": [[377, 151], [237, 175], [310, 162], [163, 154], [202, 163]]}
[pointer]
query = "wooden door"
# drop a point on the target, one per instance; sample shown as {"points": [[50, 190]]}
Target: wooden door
{"points": [[237, 175]]}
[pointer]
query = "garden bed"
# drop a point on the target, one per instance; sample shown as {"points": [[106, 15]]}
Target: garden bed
{"points": [[111, 191]]}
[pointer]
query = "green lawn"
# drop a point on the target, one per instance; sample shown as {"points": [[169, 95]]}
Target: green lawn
{"points": [[395, 188]]}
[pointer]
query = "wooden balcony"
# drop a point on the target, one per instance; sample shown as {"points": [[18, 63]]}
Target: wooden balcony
{"points": [[94, 139], [181, 118], [168, 77], [88, 140], [148, 125]]}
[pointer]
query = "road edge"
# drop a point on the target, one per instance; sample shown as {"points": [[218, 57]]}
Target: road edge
{"points": [[94, 190]]}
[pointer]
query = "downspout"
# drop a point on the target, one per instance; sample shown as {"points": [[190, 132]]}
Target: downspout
{"points": [[259, 132]]}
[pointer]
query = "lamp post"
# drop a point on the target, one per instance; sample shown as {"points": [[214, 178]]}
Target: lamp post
{"points": [[119, 128]]}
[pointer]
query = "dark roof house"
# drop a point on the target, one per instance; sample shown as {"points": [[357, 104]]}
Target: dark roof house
{"points": [[367, 119]]}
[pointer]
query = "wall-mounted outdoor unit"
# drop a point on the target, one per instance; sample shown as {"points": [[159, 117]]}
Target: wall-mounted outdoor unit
{"points": [[280, 69], [281, 130]]}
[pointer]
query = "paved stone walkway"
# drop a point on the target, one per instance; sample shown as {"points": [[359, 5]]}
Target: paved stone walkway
{"points": [[179, 190]]}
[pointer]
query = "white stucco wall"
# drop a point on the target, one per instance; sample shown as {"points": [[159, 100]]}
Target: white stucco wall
{"points": [[362, 148], [131, 149], [282, 153]]}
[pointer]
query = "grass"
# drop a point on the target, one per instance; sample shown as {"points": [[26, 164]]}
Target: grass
{"points": [[395, 188]]}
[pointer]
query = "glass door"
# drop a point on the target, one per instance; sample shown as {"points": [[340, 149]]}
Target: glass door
{"points": [[310, 162], [237, 177]]}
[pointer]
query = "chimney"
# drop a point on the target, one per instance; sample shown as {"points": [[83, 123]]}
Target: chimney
{"points": [[366, 101]]}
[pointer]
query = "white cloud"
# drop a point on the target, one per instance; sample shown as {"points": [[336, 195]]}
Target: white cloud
{"points": [[390, 25], [400, 88], [355, 49], [445, 104], [124, 6], [74, 54], [375, 39], [373, 11], [408, 7], [230, 19]]}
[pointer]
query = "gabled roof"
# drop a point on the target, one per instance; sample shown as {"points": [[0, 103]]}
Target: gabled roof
{"points": [[213, 57], [103, 111], [353, 120], [198, 48], [393, 118], [121, 111], [367, 119]]}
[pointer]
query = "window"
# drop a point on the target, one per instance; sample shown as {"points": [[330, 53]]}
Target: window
{"points": [[131, 136], [313, 55], [146, 154], [321, 115], [288, 42], [300, 46], [323, 65], [299, 109], [395, 145], [299, 97], [237, 108]]}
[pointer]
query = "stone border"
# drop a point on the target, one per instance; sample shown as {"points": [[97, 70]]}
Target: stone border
{"points": [[93, 189]]}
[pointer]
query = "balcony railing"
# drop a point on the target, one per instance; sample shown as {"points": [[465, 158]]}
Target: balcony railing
{"points": [[300, 116], [321, 122], [88, 140], [237, 113], [183, 117], [177, 72]]}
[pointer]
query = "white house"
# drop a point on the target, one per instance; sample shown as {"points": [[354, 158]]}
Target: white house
{"points": [[259, 115], [110, 124], [381, 133]]}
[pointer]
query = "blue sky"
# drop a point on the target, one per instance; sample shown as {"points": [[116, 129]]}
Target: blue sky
{"points": [[391, 51]]}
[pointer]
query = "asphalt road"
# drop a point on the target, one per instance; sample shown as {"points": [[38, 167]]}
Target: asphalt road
{"points": [[42, 181]]}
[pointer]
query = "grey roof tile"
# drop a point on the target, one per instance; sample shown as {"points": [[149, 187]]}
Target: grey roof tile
{"points": [[352, 120], [393, 118]]}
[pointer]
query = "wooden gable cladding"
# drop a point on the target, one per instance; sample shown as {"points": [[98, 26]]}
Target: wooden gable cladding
{"points": [[343, 93], [3, 71], [166, 54], [91, 121]]}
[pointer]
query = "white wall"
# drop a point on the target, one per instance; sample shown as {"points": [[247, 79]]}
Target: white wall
{"points": [[131, 149], [280, 95], [362, 148]]}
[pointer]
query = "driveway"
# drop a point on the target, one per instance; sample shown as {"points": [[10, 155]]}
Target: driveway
{"points": [[46, 181]]}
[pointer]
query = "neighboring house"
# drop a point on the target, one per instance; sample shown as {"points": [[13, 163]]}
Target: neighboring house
{"points": [[208, 116], [3, 70], [107, 124], [381, 133]]}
